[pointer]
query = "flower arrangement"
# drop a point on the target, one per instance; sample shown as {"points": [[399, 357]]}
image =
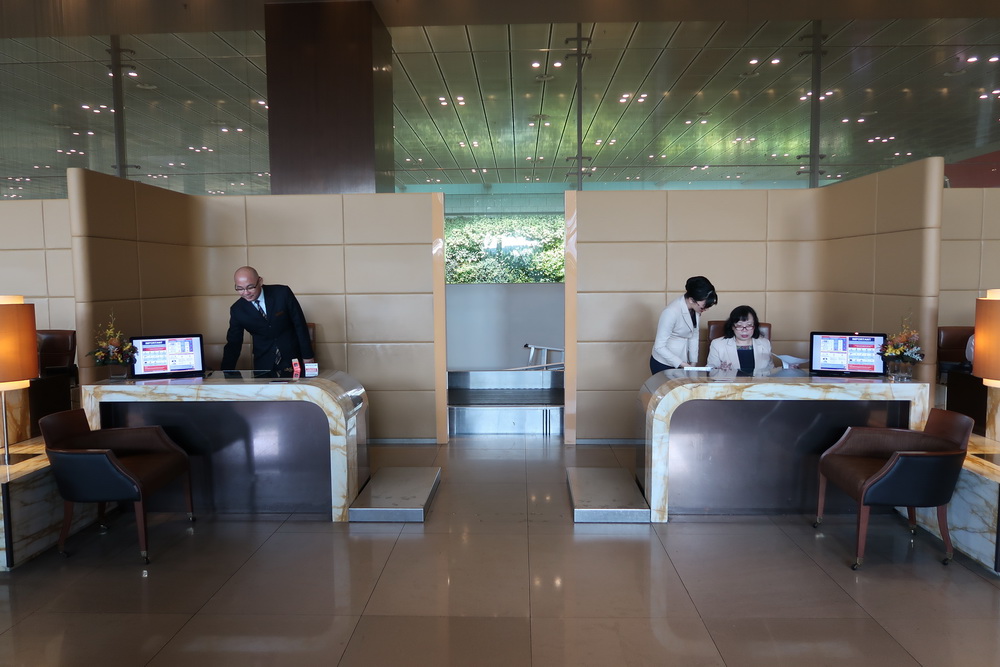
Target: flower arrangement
{"points": [[903, 346], [113, 349]]}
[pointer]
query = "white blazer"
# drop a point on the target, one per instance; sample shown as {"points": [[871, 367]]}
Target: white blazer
{"points": [[676, 336], [724, 349]]}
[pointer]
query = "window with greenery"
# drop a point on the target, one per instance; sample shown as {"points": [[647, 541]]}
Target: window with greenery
{"points": [[505, 249]]}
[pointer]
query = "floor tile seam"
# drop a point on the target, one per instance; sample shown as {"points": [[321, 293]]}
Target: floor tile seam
{"points": [[684, 585], [828, 574], [375, 583]]}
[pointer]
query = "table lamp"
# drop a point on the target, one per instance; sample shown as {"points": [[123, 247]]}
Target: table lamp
{"points": [[18, 353]]}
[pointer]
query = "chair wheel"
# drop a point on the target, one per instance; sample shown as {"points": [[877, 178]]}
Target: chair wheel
{"points": [[946, 561], [145, 560], [855, 566], [815, 524]]}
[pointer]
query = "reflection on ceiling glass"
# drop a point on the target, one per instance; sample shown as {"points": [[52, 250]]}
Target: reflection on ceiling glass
{"points": [[664, 105]]}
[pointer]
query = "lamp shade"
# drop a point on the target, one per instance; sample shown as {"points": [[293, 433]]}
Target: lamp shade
{"points": [[18, 346], [986, 360]]}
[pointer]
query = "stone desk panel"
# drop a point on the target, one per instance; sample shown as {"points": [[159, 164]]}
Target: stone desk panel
{"points": [[667, 391], [341, 398]]}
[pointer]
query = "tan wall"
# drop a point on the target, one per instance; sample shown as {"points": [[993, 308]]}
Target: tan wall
{"points": [[362, 266], [970, 252], [858, 255]]}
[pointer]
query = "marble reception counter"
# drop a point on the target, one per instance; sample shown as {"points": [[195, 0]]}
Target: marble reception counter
{"points": [[721, 444], [253, 434]]}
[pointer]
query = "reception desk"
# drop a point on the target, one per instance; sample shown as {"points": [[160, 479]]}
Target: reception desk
{"points": [[743, 445], [256, 444]]}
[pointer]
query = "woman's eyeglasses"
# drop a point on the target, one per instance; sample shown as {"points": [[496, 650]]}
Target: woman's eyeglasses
{"points": [[744, 326]]}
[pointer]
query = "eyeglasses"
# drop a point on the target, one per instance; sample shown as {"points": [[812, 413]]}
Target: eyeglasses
{"points": [[248, 288], [743, 326]]}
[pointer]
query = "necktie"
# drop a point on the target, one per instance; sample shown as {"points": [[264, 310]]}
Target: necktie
{"points": [[259, 308]]}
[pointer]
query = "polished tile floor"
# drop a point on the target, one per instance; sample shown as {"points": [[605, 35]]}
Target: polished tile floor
{"points": [[499, 575]]}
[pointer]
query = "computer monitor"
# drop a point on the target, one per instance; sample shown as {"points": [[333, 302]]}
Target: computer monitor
{"points": [[846, 354], [179, 356]]}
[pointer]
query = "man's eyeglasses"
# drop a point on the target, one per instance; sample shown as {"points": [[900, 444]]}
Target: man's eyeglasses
{"points": [[248, 288], [743, 326]]}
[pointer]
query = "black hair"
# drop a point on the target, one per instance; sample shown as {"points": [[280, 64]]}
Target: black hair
{"points": [[740, 314], [699, 288]]}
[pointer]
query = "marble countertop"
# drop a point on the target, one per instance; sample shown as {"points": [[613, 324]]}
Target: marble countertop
{"points": [[990, 469], [35, 447]]}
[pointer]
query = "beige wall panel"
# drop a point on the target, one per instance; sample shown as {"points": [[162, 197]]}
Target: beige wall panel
{"points": [[392, 366], [169, 316], [957, 308], [56, 221], [899, 262], [618, 366], [848, 208], [962, 213], [21, 225], [845, 311], [991, 213], [212, 315], [847, 264], [792, 265], [62, 313], [621, 267], [388, 269], [960, 264], [635, 215], [214, 268], [794, 314], [105, 269], [161, 272], [388, 218], [328, 313], [605, 316], [59, 272], [731, 266], [41, 305], [401, 415], [306, 269], [731, 215], [793, 215], [276, 220], [101, 205], [990, 272], [23, 272], [609, 414], [219, 221], [400, 318], [164, 216], [331, 356], [900, 205]]}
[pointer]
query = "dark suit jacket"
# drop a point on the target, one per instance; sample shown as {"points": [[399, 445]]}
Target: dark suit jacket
{"points": [[284, 329]]}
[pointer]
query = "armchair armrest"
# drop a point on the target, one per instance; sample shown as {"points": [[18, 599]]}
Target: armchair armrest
{"points": [[884, 442], [91, 475], [915, 479], [128, 440]]}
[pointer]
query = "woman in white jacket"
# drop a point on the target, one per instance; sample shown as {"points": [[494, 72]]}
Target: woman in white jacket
{"points": [[741, 347], [676, 344]]}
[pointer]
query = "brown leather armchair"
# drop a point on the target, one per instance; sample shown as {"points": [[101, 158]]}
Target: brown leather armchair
{"points": [[107, 465], [57, 353], [898, 468]]}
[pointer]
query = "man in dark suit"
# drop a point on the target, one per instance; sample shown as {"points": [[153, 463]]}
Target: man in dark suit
{"points": [[272, 315]]}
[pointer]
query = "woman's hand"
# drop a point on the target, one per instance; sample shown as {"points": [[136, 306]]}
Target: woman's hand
{"points": [[726, 366]]}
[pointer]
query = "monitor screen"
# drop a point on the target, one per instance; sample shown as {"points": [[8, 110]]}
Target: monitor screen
{"points": [[848, 354], [168, 356]]}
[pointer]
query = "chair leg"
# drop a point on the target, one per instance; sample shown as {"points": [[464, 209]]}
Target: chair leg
{"points": [[102, 520], [821, 502], [66, 525], [140, 524], [949, 551], [863, 512], [911, 514], [189, 495]]}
